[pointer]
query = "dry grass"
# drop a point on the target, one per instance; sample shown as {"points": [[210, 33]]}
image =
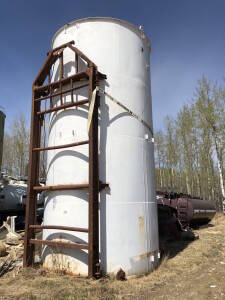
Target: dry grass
{"points": [[193, 270]]}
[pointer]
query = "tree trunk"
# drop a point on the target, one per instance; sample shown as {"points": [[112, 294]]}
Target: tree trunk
{"points": [[220, 169]]}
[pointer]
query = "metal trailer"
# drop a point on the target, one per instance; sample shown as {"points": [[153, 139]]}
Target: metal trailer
{"points": [[13, 195], [169, 225], [190, 211]]}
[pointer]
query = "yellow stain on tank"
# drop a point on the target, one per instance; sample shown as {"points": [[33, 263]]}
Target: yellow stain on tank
{"points": [[141, 222]]}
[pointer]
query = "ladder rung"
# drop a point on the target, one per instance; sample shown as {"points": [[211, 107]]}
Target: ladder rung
{"points": [[60, 187], [61, 146], [59, 227], [63, 92], [64, 106], [59, 244], [53, 85]]}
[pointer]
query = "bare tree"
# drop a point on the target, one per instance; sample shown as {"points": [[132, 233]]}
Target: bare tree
{"points": [[211, 111], [190, 153], [15, 149]]}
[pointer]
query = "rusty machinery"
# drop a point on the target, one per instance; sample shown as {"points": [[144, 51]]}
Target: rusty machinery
{"points": [[189, 211]]}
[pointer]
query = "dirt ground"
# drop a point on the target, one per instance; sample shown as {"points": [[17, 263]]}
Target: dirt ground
{"points": [[189, 270]]}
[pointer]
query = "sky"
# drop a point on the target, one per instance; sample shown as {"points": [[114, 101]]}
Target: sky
{"points": [[187, 38]]}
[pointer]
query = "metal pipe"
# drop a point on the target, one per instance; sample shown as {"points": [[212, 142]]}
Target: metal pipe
{"points": [[59, 228], [64, 106], [2, 125], [61, 187], [59, 244], [61, 146]]}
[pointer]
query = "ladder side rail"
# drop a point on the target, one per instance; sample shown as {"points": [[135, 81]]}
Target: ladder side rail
{"points": [[93, 257], [33, 172]]}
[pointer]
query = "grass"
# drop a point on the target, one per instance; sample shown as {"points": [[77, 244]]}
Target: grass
{"points": [[191, 270]]}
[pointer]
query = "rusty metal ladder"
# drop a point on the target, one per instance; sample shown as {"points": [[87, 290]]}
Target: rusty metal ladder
{"points": [[42, 91]]}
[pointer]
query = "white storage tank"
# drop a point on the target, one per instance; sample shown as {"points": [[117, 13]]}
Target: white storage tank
{"points": [[128, 210]]}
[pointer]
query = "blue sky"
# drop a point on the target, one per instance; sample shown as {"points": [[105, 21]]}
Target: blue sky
{"points": [[187, 37]]}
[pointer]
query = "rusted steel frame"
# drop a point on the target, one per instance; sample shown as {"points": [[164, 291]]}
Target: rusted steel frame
{"points": [[63, 92], [71, 90], [78, 229], [56, 84], [60, 88], [76, 62], [61, 146], [61, 47], [43, 73], [93, 185], [82, 55], [33, 169], [64, 106], [41, 124], [93, 191], [50, 92], [58, 244], [61, 76], [61, 187]]}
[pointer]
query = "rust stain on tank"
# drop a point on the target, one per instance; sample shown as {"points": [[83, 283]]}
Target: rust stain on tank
{"points": [[141, 228]]}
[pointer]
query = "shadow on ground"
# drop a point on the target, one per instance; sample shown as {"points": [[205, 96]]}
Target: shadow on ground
{"points": [[170, 246]]}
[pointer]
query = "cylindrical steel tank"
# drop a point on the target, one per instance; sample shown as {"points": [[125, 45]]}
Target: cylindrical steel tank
{"points": [[200, 211], [189, 211], [2, 125], [128, 210], [12, 196]]}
